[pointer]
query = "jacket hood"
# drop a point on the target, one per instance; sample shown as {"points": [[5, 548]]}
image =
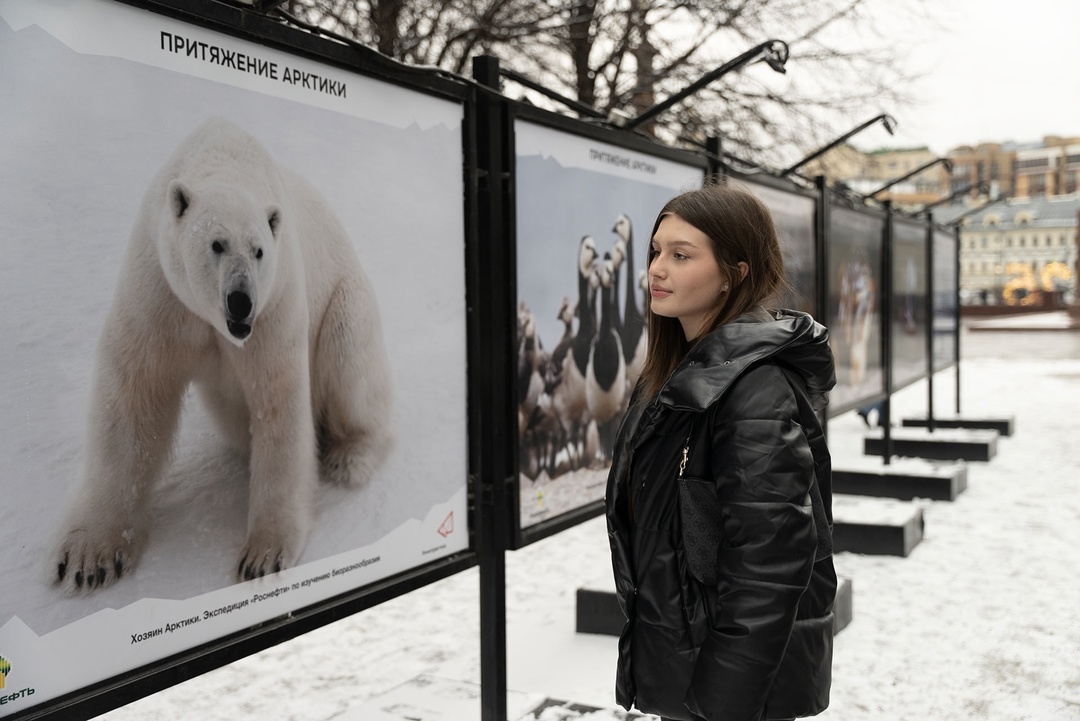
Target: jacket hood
{"points": [[788, 337]]}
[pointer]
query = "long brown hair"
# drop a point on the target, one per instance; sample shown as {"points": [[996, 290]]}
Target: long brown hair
{"points": [[740, 229]]}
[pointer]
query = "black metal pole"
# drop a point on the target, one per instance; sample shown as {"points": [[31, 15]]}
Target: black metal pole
{"points": [[714, 154], [885, 416], [930, 263], [821, 273], [956, 236], [492, 304]]}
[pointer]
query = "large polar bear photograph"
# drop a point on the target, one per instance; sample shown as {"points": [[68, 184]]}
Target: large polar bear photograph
{"points": [[239, 279], [235, 337]]}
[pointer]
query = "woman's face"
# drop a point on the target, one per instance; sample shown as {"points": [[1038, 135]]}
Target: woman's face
{"points": [[684, 278]]}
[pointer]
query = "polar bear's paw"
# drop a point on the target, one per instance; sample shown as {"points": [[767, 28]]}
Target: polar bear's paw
{"points": [[88, 559], [352, 465], [266, 553]]}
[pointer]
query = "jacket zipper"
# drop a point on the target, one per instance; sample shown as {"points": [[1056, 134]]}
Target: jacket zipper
{"points": [[686, 450]]}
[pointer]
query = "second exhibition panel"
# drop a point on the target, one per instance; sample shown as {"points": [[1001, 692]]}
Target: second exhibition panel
{"points": [[585, 207]]}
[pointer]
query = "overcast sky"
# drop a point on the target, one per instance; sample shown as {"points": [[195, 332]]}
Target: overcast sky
{"points": [[994, 72]]}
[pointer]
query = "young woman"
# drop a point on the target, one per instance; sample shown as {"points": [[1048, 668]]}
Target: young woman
{"points": [[718, 500]]}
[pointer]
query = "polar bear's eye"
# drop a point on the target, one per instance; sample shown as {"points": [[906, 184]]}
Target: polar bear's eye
{"points": [[217, 247], [258, 254]]}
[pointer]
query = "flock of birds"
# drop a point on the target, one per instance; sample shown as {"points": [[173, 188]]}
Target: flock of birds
{"points": [[572, 399]]}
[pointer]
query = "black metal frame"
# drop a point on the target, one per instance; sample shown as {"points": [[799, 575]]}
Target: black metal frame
{"points": [[933, 363], [521, 537], [497, 423], [885, 215], [131, 686], [927, 268], [785, 185]]}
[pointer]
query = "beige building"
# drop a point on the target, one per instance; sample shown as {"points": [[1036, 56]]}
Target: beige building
{"points": [[1051, 167], [865, 173], [890, 164], [842, 163], [991, 163], [1050, 170]]}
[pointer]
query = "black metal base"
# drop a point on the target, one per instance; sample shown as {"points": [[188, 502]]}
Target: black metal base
{"points": [[944, 445], [943, 484], [1004, 426], [598, 609], [880, 538]]}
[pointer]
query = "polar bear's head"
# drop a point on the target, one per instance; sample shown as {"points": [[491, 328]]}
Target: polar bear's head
{"points": [[219, 249]]}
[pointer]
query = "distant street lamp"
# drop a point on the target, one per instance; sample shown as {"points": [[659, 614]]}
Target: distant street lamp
{"points": [[957, 220], [945, 161], [773, 52], [887, 120]]}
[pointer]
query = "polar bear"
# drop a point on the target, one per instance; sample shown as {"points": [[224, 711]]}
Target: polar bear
{"points": [[240, 279]]}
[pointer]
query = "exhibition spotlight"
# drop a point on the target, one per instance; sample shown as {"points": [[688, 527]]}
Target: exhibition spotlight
{"points": [[887, 120], [773, 52], [945, 161]]}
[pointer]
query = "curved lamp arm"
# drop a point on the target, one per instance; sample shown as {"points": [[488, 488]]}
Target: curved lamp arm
{"points": [[887, 120], [982, 188], [945, 161], [773, 52]]}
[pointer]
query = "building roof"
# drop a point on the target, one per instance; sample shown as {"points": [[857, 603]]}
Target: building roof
{"points": [[1058, 211], [883, 151]]}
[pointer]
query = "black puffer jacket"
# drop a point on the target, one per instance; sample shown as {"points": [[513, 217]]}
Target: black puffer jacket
{"points": [[749, 635]]}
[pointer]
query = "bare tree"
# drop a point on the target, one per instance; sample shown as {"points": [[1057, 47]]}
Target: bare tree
{"points": [[623, 55]]}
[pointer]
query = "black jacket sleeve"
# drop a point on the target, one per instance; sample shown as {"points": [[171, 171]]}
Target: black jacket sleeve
{"points": [[763, 468]]}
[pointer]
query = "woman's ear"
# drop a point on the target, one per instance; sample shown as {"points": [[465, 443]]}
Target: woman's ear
{"points": [[744, 270]]}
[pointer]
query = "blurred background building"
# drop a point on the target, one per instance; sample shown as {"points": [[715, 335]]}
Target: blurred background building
{"points": [[1016, 206]]}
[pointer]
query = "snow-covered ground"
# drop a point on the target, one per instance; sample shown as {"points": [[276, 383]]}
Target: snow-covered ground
{"points": [[981, 622]]}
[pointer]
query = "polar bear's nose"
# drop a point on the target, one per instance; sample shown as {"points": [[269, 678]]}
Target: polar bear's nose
{"points": [[239, 305]]}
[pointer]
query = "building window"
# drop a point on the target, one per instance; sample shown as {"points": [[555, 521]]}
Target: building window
{"points": [[1032, 163]]}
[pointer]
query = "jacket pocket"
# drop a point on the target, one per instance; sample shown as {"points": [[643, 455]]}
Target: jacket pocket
{"points": [[801, 686]]}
